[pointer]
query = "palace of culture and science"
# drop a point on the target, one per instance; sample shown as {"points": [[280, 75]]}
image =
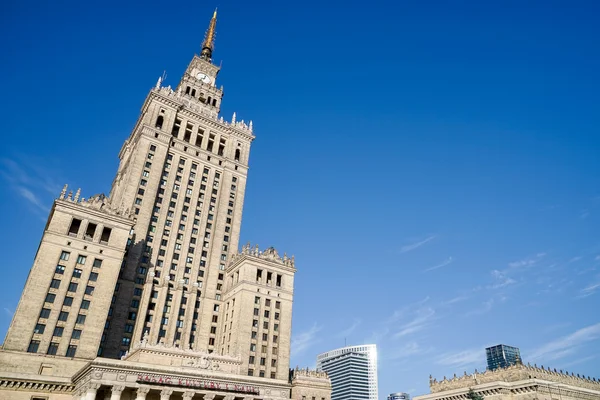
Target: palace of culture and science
{"points": [[144, 294]]}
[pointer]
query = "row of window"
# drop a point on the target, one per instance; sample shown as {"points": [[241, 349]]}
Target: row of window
{"points": [[90, 231], [52, 348]]}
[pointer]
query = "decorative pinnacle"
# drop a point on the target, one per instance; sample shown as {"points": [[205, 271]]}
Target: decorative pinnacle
{"points": [[209, 38]]}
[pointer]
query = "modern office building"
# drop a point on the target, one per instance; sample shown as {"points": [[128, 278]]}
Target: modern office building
{"points": [[398, 396], [352, 370], [144, 292], [501, 356]]}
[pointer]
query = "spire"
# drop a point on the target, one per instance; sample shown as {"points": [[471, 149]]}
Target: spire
{"points": [[209, 38]]}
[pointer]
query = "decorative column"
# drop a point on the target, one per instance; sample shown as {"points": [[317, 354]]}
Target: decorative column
{"points": [[91, 391], [115, 392], [141, 393], [165, 394], [188, 395]]}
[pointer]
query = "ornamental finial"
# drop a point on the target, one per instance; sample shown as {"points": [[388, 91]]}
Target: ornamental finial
{"points": [[209, 39]]}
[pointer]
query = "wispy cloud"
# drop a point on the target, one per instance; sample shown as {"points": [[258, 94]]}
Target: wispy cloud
{"points": [[500, 280], [462, 359], [407, 350], [348, 331], [402, 312], [32, 198], [409, 247], [422, 318], [527, 262], [302, 341], [29, 181], [454, 300], [566, 345], [8, 312], [589, 290], [443, 264]]}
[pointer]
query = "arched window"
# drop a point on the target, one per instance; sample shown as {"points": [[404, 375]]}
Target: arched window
{"points": [[208, 102], [159, 122], [193, 92], [237, 154], [187, 90], [214, 102]]}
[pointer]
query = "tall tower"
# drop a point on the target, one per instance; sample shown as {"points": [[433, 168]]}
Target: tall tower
{"points": [[183, 173], [353, 372]]}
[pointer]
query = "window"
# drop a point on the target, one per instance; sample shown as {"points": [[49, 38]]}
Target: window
{"points": [[77, 273], [74, 228], [68, 301], [97, 263], [278, 305], [256, 311], [65, 255], [80, 319], [266, 313], [89, 290], [265, 337], [72, 287], [60, 269], [261, 373], [265, 325], [252, 347], [39, 328], [94, 276], [45, 313], [250, 372], [58, 331], [81, 260], [33, 346], [277, 316], [85, 304], [50, 297], [71, 350], [63, 316]]}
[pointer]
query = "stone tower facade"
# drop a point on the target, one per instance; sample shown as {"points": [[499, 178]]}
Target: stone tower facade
{"points": [[144, 294], [68, 292], [183, 173]]}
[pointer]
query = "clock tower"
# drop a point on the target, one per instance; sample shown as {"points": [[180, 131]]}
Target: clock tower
{"points": [[199, 79]]}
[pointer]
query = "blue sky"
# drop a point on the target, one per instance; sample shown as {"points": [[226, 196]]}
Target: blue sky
{"points": [[432, 165]]}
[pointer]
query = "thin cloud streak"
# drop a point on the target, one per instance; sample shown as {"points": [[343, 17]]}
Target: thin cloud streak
{"points": [[302, 341], [447, 262], [566, 345], [413, 246], [589, 290], [465, 358], [422, 319]]}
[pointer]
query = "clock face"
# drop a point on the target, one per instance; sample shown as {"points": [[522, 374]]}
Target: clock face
{"points": [[203, 77]]}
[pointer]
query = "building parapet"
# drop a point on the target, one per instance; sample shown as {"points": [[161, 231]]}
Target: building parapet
{"points": [[199, 107], [99, 202], [308, 373], [513, 373], [269, 254]]}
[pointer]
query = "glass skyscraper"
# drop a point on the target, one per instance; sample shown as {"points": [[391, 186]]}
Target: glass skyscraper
{"points": [[502, 356]]}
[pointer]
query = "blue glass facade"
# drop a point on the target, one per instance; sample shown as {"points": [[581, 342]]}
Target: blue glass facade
{"points": [[502, 356]]}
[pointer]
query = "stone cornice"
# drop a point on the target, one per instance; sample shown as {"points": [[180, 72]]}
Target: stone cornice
{"points": [[513, 373], [35, 384]]}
